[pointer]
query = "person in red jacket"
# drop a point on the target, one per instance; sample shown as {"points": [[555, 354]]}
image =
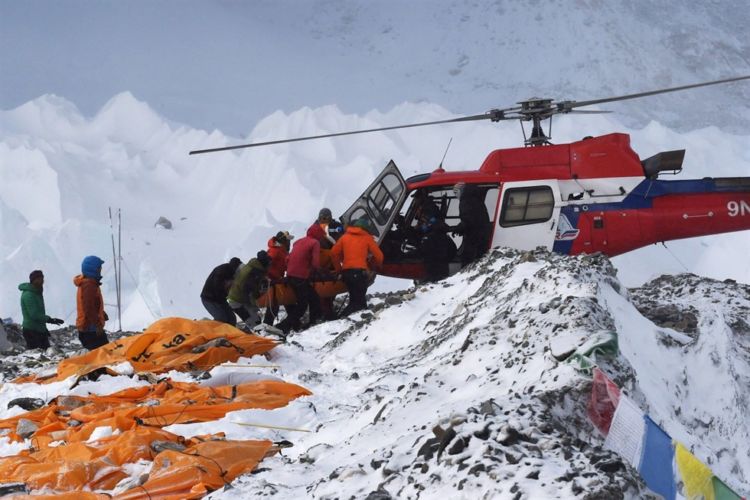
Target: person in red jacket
{"points": [[304, 261], [278, 250], [91, 316], [354, 254]]}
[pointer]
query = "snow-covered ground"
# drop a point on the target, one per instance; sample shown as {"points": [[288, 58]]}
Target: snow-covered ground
{"points": [[60, 171], [452, 389]]}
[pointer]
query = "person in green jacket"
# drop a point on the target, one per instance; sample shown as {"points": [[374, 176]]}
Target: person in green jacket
{"points": [[35, 318], [249, 283]]}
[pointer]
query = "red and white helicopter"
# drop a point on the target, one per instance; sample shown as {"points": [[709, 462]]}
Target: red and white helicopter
{"points": [[593, 195]]}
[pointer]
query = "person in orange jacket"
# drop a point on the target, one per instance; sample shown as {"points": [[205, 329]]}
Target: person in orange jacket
{"points": [[91, 315], [354, 254]]}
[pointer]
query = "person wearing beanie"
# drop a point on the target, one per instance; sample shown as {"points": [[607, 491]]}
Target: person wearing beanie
{"points": [[304, 261], [278, 250], [35, 317], [353, 255], [249, 284], [90, 304], [216, 288]]}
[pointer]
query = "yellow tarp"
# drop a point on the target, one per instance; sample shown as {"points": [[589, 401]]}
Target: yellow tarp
{"points": [[168, 344]]}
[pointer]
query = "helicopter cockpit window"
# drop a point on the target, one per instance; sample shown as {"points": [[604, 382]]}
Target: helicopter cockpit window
{"points": [[361, 213], [382, 199], [530, 205]]}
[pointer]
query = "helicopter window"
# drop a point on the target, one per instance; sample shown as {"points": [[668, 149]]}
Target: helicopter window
{"points": [[361, 213], [382, 198], [527, 206]]}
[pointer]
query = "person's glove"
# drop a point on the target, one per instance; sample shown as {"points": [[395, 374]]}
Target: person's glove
{"points": [[55, 321]]}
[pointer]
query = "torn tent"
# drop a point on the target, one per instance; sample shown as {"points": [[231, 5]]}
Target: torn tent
{"points": [[168, 344], [191, 467], [74, 418]]}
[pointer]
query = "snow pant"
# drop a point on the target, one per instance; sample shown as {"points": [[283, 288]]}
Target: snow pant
{"points": [[92, 339], [220, 311], [306, 297], [35, 339], [248, 313], [357, 281]]}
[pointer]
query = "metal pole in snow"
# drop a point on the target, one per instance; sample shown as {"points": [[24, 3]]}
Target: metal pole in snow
{"points": [[119, 268], [114, 257]]}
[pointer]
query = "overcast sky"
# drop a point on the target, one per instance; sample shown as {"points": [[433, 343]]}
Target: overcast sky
{"points": [[222, 64]]}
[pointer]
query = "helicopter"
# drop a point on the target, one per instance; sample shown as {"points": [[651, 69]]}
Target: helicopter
{"points": [[592, 195]]}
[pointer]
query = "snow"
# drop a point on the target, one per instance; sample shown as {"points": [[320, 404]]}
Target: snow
{"points": [[471, 356]]}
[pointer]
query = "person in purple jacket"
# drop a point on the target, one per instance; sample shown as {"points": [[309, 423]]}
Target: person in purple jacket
{"points": [[304, 261]]}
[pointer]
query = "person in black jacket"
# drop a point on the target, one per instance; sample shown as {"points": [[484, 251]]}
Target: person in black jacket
{"points": [[475, 223], [437, 249], [214, 294]]}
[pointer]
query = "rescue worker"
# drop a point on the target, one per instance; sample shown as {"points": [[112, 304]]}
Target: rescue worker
{"points": [[351, 256], [278, 251], [90, 304], [216, 288], [437, 249], [35, 317], [304, 262], [475, 222], [249, 284], [325, 219]]}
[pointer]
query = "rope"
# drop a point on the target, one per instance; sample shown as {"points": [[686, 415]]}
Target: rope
{"points": [[278, 427], [675, 257]]}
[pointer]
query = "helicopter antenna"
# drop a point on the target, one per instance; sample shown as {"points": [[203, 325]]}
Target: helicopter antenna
{"points": [[440, 167], [534, 110]]}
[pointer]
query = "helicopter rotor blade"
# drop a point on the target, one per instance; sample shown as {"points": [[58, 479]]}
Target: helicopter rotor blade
{"points": [[566, 106], [588, 112], [494, 115]]}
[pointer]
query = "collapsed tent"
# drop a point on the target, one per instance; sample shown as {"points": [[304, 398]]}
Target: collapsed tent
{"points": [[86, 447], [168, 344], [74, 418], [181, 468]]}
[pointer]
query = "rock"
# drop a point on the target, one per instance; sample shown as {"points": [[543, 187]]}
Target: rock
{"points": [[27, 404], [159, 446], [163, 222], [26, 428], [379, 494]]}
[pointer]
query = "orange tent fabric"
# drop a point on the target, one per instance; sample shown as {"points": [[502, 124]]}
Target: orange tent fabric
{"points": [[98, 465], [169, 344], [158, 405], [283, 295], [199, 469]]}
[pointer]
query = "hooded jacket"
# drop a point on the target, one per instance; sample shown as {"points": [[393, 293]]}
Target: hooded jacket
{"points": [[246, 287], [90, 304], [353, 249], [305, 255], [32, 307], [215, 289], [279, 257]]}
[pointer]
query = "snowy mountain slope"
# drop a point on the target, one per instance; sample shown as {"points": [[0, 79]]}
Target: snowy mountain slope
{"points": [[60, 171], [457, 389], [452, 390], [227, 65]]}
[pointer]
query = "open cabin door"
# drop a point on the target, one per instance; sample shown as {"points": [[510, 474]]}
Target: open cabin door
{"points": [[380, 202], [528, 214]]}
